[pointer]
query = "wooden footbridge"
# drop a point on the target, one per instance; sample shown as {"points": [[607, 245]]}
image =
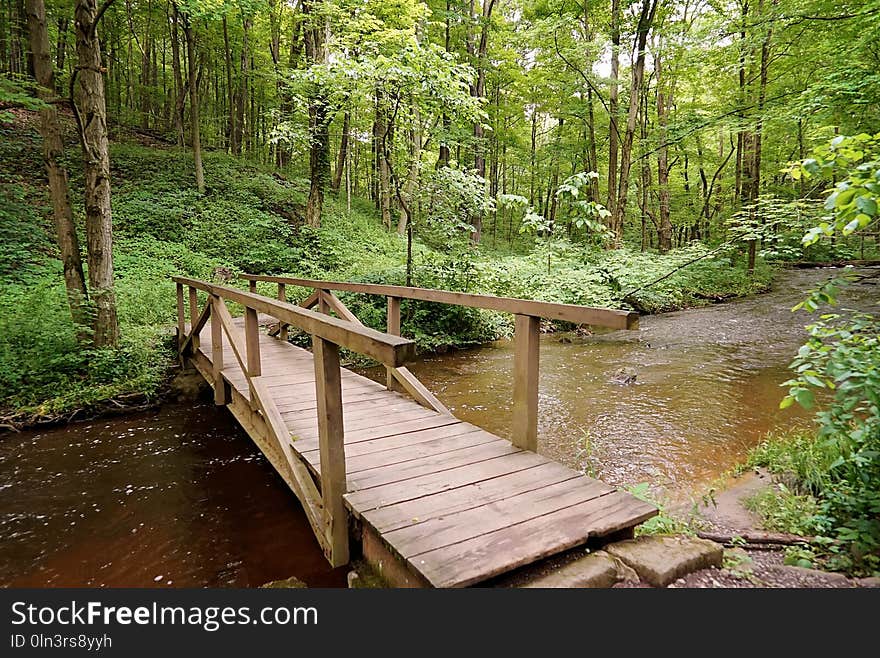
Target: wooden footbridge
{"points": [[434, 501]]}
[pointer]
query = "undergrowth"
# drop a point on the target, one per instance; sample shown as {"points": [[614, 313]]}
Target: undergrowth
{"points": [[251, 220]]}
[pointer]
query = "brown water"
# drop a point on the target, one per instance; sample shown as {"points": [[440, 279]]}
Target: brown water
{"points": [[707, 387], [181, 497]]}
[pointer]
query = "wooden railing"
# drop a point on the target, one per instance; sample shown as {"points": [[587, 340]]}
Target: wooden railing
{"points": [[527, 335], [325, 510]]}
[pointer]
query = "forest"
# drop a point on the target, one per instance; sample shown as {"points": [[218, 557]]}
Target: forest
{"points": [[650, 155]]}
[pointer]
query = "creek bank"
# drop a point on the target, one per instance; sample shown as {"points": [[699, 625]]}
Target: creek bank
{"points": [[34, 417]]}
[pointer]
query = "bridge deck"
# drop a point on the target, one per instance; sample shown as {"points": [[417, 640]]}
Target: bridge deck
{"points": [[459, 505]]}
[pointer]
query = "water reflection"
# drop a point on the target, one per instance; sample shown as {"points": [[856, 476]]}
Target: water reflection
{"points": [[178, 497]]}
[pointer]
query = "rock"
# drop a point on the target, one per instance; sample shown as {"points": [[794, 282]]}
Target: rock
{"points": [[353, 579], [661, 560], [624, 377], [188, 385], [288, 583], [594, 570], [873, 581]]}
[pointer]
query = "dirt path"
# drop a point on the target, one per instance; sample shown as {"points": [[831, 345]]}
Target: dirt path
{"points": [[753, 566]]}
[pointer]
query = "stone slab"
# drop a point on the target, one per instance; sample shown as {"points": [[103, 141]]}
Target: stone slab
{"points": [[661, 560]]}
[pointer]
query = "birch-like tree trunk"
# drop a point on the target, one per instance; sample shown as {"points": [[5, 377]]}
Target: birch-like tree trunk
{"points": [[53, 153], [96, 163]]}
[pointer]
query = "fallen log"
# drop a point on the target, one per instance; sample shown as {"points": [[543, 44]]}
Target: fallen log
{"points": [[778, 538]]}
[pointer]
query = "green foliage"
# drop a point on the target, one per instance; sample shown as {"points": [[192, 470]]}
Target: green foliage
{"points": [[854, 200], [841, 360], [17, 92], [663, 523], [785, 511]]}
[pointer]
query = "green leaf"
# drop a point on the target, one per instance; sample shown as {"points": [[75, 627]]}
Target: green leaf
{"points": [[867, 205], [805, 398]]}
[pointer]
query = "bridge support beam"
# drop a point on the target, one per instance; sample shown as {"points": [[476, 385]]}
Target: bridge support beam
{"points": [[393, 328], [331, 442], [525, 382]]}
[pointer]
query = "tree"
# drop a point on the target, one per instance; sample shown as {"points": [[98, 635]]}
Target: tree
{"points": [[53, 153], [91, 115], [316, 35]]}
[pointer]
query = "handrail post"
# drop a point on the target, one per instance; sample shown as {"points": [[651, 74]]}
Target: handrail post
{"points": [[252, 342], [181, 317], [323, 306], [525, 382], [282, 326], [193, 315], [331, 442], [252, 286], [220, 397], [393, 328]]}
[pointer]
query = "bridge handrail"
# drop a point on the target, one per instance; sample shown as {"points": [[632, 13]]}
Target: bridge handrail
{"points": [[392, 351], [527, 314], [603, 317]]}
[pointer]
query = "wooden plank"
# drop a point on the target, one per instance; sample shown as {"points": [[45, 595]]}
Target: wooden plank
{"points": [[307, 440], [220, 397], [515, 508], [601, 317], [193, 316], [334, 303], [393, 328], [432, 483], [312, 300], [475, 494], [525, 382], [328, 390], [416, 389], [233, 333], [193, 338], [362, 418], [302, 404], [388, 350], [304, 424], [408, 453], [483, 557], [407, 380], [300, 479], [435, 464], [252, 343], [181, 322], [400, 440]]}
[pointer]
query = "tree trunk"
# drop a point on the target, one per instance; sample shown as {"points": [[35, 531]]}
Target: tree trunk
{"points": [[194, 102], [241, 94], [230, 90], [382, 137], [316, 35], [53, 154], [646, 19], [663, 103], [179, 86], [479, 91], [443, 156], [412, 177], [61, 47], [342, 156], [613, 109], [96, 163]]}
